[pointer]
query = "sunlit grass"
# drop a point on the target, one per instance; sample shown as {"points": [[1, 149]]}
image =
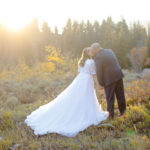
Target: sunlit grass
{"points": [[131, 131]]}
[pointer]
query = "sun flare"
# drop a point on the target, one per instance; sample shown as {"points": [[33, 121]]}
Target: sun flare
{"points": [[15, 23], [15, 14]]}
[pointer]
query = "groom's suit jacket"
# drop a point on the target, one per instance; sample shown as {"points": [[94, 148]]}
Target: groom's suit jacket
{"points": [[107, 67]]}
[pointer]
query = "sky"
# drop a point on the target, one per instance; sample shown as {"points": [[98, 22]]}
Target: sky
{"points": [[15, 14]]}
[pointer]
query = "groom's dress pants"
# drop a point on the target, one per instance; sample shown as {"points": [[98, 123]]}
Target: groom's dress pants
{"points": [[115, 89]]}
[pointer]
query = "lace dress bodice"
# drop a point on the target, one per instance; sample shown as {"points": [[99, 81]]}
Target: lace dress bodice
{"points": [[89, 67]]}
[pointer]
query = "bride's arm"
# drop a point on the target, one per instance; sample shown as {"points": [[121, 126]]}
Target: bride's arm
{"points": [[96, 81], [93, 72]]}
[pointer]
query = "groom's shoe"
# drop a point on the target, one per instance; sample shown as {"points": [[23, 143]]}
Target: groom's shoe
{"points": [[122, 113], [111, 117]]}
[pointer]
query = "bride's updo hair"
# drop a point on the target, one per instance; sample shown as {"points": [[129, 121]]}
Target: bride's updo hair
{"points": [[84, 56]]}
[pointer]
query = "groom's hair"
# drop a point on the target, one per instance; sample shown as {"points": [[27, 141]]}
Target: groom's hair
{"points": [[96, 46]]}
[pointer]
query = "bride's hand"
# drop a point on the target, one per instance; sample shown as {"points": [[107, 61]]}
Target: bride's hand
{"points": [[101, 87], [97, 84]]}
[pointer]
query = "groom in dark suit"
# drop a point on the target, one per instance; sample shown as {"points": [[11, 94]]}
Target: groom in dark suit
{"points": [[110, 77]]}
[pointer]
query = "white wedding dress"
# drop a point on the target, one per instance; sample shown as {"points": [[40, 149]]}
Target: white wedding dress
{"points": [[72, 111]]}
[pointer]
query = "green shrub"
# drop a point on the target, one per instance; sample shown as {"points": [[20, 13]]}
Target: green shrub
{"points": [[11, 102], [136, 117], [6, 120], [5, 143], [26, 93], [42, 84], [148, 106]]}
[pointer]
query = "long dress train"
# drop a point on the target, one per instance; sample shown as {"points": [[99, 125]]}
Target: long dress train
{"points": [[73, 110]]}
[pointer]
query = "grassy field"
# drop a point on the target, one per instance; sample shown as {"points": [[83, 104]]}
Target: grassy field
{"points": [[18, 98]]}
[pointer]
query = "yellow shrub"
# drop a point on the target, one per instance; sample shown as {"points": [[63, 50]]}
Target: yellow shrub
{"points": [[55, 63], [22, 71], [138, 91], [54, 55]]}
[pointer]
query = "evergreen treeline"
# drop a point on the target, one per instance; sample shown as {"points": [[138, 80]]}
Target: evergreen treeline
{"points": [[29, 44]]}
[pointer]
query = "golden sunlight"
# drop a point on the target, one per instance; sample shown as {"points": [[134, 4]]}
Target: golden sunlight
{"points": [[15, 14], [15, 23], [57, 94]]}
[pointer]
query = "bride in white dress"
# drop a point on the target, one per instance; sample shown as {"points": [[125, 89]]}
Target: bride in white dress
{"points": [[73, 110]]}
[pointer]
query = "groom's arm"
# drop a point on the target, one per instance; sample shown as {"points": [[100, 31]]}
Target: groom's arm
{"points": [[99, 70]]}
